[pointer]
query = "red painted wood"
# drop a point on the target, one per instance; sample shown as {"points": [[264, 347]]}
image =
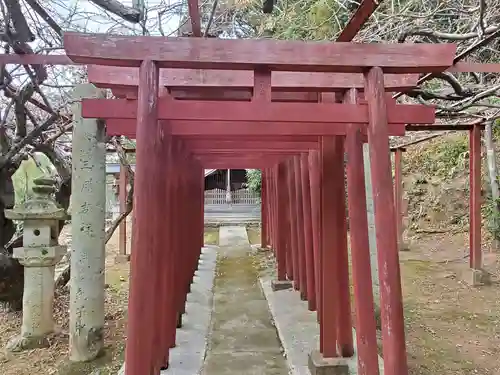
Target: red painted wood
{"points": [[314, 182], [476, 260], [274, 208], [255, 111], [344, 320], [300, 227], [243, 153], [366, 339], [247, 145], [264, 208], [393, 334], [220, 94], [172, 253], [329, 230], [238, 165], [167, 286], [308, 232], [242, 81], [34, 59], [264, 161], [280, 233], [239, 129], [246, 54], [178, 257], [293, 224], [285, 251], [122, 197], [264, 139], [141, 352], [201, 208]]}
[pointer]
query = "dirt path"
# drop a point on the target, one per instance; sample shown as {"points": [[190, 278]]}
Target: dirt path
{"points": [[452, 328], [243, 339]]}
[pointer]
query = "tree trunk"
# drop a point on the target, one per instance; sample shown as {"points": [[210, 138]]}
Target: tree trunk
{"points": [[493, 177]]}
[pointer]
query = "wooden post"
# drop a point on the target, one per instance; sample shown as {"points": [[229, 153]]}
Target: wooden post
{"points": [[343, 302], [314, 181], [476, 261], [300, 227], [141, 339], [292, 214], [202, 209], [366, 339], [264, 209], [282, 222], [391, 303], [166, 294], [308, 232], [273, 209], [329, 230]]}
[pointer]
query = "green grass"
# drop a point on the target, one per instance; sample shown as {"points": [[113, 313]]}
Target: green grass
{"points": [[254, 236], [211, 236]]}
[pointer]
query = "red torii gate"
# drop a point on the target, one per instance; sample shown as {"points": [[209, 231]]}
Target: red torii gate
{"points": [[164, 128]]}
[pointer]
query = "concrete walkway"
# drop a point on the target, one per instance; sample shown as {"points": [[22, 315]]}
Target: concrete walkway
{"points": [[243, 339]]}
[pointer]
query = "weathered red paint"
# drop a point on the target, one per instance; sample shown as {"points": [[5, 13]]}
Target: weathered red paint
{"points": [[308, 231], [366, 338], [261, 111], [314, 181], [247, 54], [264, 208], [476, 261], [393, 334], [328, 321], [248, 145], [292, 214], [285, 251], [34, 59], [141, 354], [241, 128], [241, 81], [343, 296], [299, 211]]}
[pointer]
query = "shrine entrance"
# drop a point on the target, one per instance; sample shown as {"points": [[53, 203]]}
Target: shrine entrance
{"points": [[295, 110]]}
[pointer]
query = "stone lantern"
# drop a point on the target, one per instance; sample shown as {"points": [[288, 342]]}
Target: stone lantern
{"points": [[40, 253]]}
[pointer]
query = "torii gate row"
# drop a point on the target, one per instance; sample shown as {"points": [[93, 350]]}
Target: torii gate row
{"points": [[168, 177]]}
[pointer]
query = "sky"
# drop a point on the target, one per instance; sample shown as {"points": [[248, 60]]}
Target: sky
{"points": [[84, 14]]}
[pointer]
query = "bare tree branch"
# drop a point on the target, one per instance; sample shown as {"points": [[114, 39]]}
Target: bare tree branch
{"points": [[120, 10]]}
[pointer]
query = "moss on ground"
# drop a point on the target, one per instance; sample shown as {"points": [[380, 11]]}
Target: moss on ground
{"points": [[211, 236]]}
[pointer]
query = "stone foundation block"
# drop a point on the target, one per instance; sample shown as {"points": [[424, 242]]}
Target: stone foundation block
{"points": [[277, 285], [122, 258], [318, 365], [475, 277]]}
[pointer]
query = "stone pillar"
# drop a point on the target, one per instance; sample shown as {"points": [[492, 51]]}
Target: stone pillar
{"points": [[87, 229], [39, 255]]}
